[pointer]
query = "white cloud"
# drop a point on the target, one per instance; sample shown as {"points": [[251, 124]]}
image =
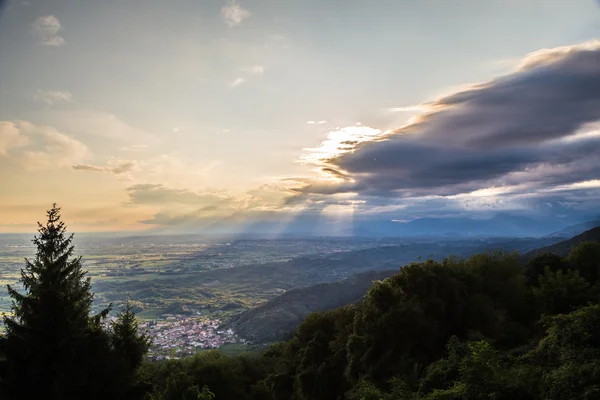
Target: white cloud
{"points": [[236, 82], [47, 28], [51, 96], [10, 137], [39, 147], [340, 141], [254, 69], [234, 14]]}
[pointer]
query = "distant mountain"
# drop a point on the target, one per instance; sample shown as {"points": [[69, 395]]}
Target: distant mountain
{"points": [[278, 318], [501, 225], [362, 225], [573, 230], [563, 248]]}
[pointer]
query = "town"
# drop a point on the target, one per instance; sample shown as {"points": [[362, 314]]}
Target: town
{"points": [[176, 336]]}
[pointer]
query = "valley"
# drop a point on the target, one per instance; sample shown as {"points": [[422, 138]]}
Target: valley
{"points": [[187, 283]]}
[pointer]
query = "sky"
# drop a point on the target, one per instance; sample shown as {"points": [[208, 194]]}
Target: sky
{"points": [[192, 114]]}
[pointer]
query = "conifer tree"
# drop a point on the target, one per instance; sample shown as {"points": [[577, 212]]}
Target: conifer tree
{"points": [[53, 348], [127, 340]]}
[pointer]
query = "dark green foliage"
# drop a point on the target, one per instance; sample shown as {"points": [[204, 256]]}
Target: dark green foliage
{"points": [[127, 340], [568, 357], [405, 321], [130, 346], [475, 370], [585, 258], [537, 265], [562, 291], [228, 377], [313, 362]]}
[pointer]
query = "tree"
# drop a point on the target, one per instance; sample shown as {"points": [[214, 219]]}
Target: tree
{"points": [[536, 266], [569, 355], [53, 348], [205, 394], [562, 291], [586, 259], [127, 340], [131, 346]]}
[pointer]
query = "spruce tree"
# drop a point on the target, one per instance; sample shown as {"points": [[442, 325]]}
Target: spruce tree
{"points": [[127, 341], [53, 347]]}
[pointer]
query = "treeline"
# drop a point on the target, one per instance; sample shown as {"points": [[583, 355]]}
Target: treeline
{"points": [[486, 327]]}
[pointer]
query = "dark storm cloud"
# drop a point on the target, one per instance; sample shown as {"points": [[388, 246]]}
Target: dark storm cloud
{"points": [[515, 130]]}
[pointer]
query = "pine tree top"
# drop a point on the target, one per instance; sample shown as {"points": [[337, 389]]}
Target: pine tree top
{"points": [[52, 241], [54, 282]]}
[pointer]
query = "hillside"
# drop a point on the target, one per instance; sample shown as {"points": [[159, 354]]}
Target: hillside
{"points": [[577, 229], [563, 248], [277, 319]]}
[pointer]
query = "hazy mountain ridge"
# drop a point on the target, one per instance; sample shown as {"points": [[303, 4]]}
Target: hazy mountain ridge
{"points": [[562, 248], [573, 230], [278, 318]]}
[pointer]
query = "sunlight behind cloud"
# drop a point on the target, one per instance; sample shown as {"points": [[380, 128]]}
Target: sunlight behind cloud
{"points": [[340, 141]]}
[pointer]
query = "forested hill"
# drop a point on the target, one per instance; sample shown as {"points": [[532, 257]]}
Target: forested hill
{"points": [[278, 318], [563, 248]]}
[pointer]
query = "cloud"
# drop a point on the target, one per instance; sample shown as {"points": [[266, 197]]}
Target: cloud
{"points": [[115, 168], [410, 109], [338, 142], [86, 167], [234, 14], [11, 137], [100, 124], [193, 208], [534, 128], [47, 30], [39, 147], [236, 82], [159, 194], [134, 147], [52, 96], [255, 69]]}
